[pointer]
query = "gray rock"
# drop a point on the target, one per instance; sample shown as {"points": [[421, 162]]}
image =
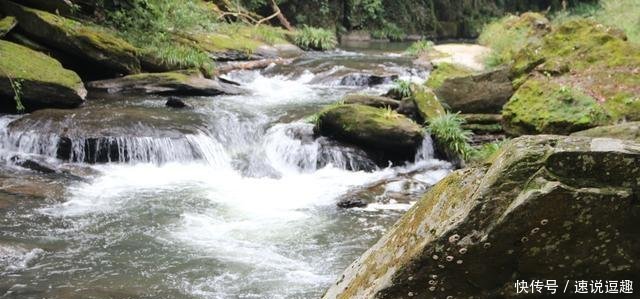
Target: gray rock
{"points": [[179, 82], [549, 207], [483, 93]]}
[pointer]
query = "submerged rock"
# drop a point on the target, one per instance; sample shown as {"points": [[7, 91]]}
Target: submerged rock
{"points": [[40, 80], [627, 131], [548, 207], [482, 93], [6, 24], [371, 100], [364, 79], [177, 103], [179, 82], [84, 41], [384, 133]]}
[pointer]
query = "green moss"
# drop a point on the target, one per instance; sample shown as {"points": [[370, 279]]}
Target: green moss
{"points": [[509, 35], [6, 24], [82, 39], [429, 107], [18, 62], [624, 106], [444, 71], [541, 106]]}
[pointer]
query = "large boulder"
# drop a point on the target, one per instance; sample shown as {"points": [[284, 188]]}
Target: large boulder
{"points": [[482, 93], [582, 57], [40, 80], [628, 131], [444, 71], [179, 82], [549, 207], [81, 40], [543, 107], [427, 104], [7, 24], [371, 100], [385, 134]]}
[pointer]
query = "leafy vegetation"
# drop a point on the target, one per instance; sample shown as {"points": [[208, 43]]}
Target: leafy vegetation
{"points": [[420, 47], [311, 38], [16, 85], [487, 151], [447, 130], [389, 31], [402, 88]]}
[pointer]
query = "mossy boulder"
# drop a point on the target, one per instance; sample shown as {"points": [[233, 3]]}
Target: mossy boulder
{"points": [[427, 104], [180, 82], [91, 43], [627, 131], [43, 81], [548, 206], [371, 100], [385, 134], [478, 93], [544, 107], [7, 24], [443, 71], [590, 57]]}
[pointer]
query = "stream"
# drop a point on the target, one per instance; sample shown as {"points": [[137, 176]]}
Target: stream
{"points": [[234, 198]]}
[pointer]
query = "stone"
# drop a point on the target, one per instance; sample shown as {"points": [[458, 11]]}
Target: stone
{"points": [[482, 93], [371, 100], [543, 107], [179, 82], [548, 206], [627, 131], [73, 37], [43, 82], [427, 103], [384, 134], [444, 71], [177, 103], [7, 24]]}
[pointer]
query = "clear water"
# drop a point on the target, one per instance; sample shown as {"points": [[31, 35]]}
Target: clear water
{"points": [[241, 206]]}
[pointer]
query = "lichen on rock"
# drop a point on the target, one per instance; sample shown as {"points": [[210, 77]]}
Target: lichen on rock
{"points": [[519, 218]]}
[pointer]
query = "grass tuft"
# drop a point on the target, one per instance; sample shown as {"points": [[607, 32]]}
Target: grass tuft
{"points": [[448, 132], [419, 48]]}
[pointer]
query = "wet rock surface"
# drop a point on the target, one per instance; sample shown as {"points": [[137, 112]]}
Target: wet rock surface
{"points": [[383, 133], [179, 82], [94, 134], [627, 130], [371, 100], [549, 207]]}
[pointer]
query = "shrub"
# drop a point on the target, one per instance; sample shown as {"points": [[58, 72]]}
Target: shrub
{"points": [[311, 38], [420, 47], [389, 31], [152, 25], [624, 14], [503, 39], [448, 132]]}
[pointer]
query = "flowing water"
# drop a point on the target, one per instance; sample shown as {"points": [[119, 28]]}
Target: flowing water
{"points": [[234, 198]]}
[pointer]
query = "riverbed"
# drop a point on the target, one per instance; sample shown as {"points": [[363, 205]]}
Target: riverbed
{"points": [[233, 198]]}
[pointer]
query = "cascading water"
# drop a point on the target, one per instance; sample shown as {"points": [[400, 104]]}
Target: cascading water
{"points": [[234, 198]]}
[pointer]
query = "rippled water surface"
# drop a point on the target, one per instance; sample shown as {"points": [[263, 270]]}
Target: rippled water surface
{"points": [[234, 198]]}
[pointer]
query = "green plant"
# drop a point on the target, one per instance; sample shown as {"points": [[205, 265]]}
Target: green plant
{"points": [[448, 132], [420, 47], [311, 38], [16, 85], [402, 88], [486, 151], [390, 113], [504, 38], [389, 31]]}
